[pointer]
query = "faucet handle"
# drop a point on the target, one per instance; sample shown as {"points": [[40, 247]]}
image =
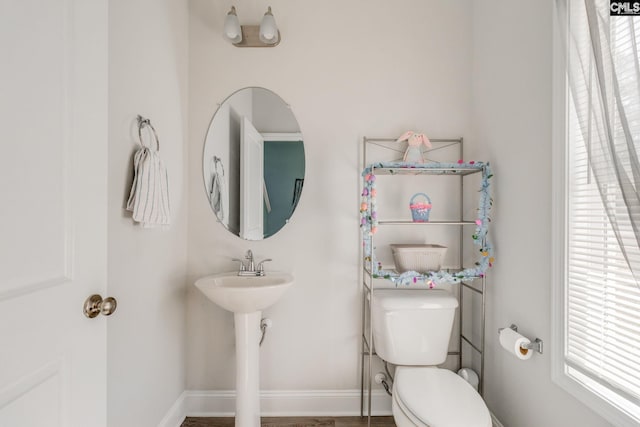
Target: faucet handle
{"points": [[249, 255], [242, 267], [261, 264]]}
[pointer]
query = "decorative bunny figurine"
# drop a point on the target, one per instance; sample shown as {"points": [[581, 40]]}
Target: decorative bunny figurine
{"points": [[413, 154]]}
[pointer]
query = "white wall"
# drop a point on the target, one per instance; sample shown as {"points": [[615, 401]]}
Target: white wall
{"points": [[512, 100], [348, 69], [148, 58]]}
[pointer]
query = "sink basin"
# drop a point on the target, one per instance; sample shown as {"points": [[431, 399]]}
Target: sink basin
{"points": [[245, 294]]}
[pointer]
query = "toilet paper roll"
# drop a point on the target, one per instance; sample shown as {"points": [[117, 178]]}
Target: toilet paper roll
{"points": [[511, 341]]}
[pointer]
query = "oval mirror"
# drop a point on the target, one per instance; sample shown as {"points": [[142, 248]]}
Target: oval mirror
{"points": [[253, 163]]}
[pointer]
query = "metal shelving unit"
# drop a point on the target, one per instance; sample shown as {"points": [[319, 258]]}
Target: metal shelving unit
{"points": [[367, 279]]}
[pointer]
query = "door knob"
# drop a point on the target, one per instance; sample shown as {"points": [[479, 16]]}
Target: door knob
{"points": [[95, 305]]}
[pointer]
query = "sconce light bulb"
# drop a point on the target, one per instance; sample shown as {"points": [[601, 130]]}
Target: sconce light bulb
{"points": [[268, 28], [232, 30]]}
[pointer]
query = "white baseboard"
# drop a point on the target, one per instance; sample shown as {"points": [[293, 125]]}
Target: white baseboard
{"points": [[294, 403], [286, 403], [176, 414], [496, 422]]}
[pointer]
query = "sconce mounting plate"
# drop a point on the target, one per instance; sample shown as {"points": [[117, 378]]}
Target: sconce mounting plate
{"points": [[251, 37]]}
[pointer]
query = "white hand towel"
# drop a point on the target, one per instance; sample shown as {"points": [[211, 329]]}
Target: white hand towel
{"points": [[217, 192], [149, 197]]}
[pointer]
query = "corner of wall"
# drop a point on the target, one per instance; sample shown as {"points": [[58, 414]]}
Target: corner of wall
{"points": [[147, 268], [512, 120]]}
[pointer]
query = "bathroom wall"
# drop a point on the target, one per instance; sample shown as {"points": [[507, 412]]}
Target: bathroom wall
{"points": [[348, 69], [512, 101], [148, 59]]}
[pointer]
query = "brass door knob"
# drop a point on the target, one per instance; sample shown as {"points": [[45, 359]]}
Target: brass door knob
{"points": [[95, 305]]}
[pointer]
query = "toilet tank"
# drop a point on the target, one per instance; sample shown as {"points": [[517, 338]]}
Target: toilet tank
{"points": [[412, 327]]}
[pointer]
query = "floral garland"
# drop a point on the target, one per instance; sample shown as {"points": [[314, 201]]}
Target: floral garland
{"points": [[369, 225]]}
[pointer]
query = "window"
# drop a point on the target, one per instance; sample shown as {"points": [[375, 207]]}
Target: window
{"points": [[597, 299]]}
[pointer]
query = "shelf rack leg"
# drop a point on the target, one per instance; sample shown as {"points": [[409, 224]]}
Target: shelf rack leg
{"points": [[370, 339], [364, 298], [460, 257], [482, 332], [460, 303]]}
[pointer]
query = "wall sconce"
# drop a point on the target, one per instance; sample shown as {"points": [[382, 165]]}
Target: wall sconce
{"points": [[264, 35]]}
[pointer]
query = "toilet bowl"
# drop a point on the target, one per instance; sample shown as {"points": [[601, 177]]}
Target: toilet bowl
{"points": [[433, 397], [411, 329]]}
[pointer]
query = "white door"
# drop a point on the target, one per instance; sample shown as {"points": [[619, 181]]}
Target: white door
{"points": [[251, 182], [53, 157]]}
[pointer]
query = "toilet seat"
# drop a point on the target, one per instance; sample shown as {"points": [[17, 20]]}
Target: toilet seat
{"points": [[429, 396]]}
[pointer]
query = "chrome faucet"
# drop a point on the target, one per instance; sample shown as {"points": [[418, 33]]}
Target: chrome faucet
{"points": [[250, 269], [249, 258]]}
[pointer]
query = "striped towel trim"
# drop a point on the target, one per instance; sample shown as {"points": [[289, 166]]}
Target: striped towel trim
{"points": [[149, 197]]}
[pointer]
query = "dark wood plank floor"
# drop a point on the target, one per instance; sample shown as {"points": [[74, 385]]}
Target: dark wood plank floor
{"points": [[294, 422]]}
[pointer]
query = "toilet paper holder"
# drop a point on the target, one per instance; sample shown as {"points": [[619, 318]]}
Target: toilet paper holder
{"points": [[536, 344]]}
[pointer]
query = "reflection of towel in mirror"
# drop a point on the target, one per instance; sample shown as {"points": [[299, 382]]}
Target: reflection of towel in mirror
{"points": [[217, 188], [149, 197]]}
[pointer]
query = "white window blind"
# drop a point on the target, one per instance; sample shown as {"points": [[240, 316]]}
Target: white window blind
{"points": [[602, 300]]}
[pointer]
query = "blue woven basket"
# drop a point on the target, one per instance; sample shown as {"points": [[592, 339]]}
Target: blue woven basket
{"points": [[420, 210]]}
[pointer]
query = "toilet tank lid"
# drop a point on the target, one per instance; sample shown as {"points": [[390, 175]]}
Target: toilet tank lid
{"points": [[394, 299]]}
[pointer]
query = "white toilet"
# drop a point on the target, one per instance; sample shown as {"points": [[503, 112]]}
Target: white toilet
{"points": [[411, 329]]}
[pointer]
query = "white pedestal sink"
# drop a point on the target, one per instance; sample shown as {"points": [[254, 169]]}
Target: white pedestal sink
{"points": [[246, 297]]}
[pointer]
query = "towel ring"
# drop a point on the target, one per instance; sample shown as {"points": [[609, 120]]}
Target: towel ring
{"points": [[142, 123]]}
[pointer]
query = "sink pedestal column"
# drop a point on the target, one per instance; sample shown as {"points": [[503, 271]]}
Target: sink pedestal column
{"points": [[247, 326]]}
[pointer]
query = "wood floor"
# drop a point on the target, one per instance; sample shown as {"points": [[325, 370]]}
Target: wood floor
{"points": [[294, 422]]}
